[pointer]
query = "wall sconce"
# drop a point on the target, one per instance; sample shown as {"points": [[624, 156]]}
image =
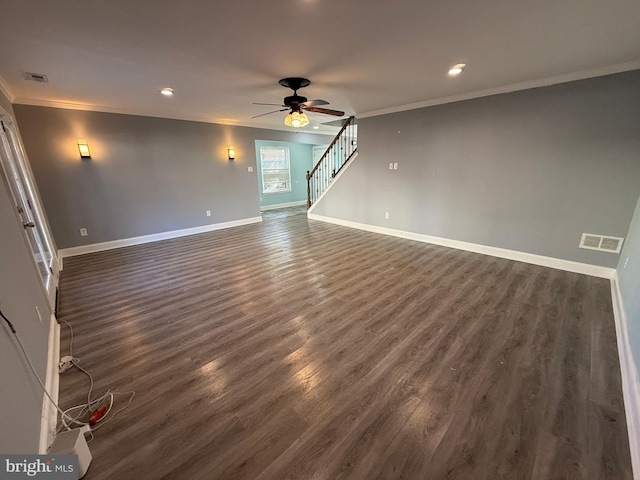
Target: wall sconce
{"points": [[231, 152], [83, 148]]}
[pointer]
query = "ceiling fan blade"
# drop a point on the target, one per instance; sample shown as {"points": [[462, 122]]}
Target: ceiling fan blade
{"points": [[326, 111], [269, 113], [272, 104], [314, 103]]}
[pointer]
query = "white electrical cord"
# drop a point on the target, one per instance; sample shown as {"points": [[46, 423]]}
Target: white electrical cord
{"points": [[67, 363], [62, 413]]}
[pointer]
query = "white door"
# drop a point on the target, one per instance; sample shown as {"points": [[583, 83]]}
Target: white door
{"points": [[28, 208], [323, 171]]}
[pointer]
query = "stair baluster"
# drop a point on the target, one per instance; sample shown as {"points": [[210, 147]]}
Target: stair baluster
{"points": [[341, 149]]}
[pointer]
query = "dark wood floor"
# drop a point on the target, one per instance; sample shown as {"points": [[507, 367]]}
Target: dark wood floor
{"points": [[298, 349]]}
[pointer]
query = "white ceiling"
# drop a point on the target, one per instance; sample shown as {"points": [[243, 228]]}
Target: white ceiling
{"points": [[363, 56]]}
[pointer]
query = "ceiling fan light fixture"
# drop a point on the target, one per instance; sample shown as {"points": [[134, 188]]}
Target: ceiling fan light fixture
{"points": [[296, 119]]}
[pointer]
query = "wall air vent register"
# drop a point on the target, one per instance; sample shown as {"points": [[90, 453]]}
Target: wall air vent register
{"points": [[601, 243], [35, 77]]}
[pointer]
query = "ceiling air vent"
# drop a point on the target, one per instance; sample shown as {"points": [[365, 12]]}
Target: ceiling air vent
{"points": [[35, 77], [601, 243]]}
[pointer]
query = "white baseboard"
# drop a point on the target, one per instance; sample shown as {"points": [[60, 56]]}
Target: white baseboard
{"points": [[49, 418], [126, 242], [283, 205], [551, 262], [630, 379]]}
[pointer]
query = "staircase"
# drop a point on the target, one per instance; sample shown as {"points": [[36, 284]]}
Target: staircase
{"points": [[340, 151]]}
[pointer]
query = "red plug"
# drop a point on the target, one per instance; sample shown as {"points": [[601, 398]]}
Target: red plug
{"points": [[97, 415]]}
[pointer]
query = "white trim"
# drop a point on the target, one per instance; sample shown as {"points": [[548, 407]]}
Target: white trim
{"points": [[513, 87], [630, 379], [49, 418], [4, 88], [543, 82], [126, 242], [287, 155], [558, 263], [326, 130], [332, 183], [283, 205]]}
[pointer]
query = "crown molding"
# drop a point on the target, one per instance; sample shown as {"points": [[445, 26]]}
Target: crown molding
{"points": [[514, 87], [188, 118], [35, 102], [544, 82], [6, 91]]}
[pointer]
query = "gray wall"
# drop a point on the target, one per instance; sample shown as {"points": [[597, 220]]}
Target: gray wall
{"points": [[527, 171], [20, 292], [629, 277], [146, 175]]}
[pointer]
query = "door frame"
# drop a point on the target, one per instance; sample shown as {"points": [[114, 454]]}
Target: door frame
{"points": [[12, 151]]}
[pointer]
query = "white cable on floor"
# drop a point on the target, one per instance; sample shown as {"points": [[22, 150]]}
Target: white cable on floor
{"points": [[26, 355], [89, 405], [67, 420]]}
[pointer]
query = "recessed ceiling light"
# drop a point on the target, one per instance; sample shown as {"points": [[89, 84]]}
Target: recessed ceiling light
{"points": [[457, 69], [316, 127], [167, 91]]}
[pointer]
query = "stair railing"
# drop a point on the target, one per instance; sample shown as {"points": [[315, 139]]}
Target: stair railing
{"points": [[341, 149]]}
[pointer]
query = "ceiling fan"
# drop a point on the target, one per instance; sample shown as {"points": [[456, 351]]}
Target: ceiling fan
{"points": [[297, 104]]}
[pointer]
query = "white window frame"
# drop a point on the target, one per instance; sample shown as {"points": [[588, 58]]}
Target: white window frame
{"points": [[264, 171]]}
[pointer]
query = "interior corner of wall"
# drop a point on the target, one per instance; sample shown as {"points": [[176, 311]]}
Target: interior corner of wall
{"points": [[629, 374]]}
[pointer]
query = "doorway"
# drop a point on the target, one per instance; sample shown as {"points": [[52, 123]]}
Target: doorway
{"points": [[282, 172], [28, 208]]}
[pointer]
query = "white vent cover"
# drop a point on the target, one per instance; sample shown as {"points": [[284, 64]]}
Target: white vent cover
{"points": [[601, 243], [35, 77]]}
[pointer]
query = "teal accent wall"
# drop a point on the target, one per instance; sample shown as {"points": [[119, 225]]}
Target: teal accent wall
{"points": [[301, 160]]}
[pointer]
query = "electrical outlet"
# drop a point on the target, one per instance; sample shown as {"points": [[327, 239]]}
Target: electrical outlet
{"points": [[83, 232], [249, 169], [208, 213], [386, 215]]}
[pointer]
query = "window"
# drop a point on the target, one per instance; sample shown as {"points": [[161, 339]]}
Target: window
{"points": [[276, 172]]}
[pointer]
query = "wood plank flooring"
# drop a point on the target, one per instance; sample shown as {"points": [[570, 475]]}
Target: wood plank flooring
{"points": [[295, 349]]}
